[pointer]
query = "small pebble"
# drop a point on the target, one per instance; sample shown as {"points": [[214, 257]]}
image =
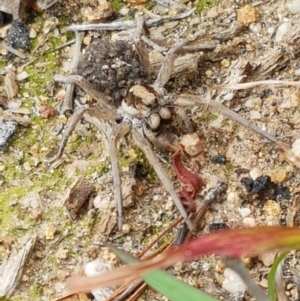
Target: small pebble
{"points": [[256, 28], [14, 104], [255, 115], [255, 173], [22, 75], [169, 205], [49, 232], [124, 11], [254, 103], [282, 30], [228, 96], [272, 208], [62, 254], [249, 222], [294, 6], [244, 212], [233, 283], [296, 147], [125, 229], [248, 14], [32, 33], [27, 166], [267, 258]]}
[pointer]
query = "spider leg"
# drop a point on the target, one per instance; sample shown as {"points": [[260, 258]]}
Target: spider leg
{"points": [[179, 48], [113, 135], [167, 66], [145, 146], [118, 132], [185, 118], [142, 29], [76, 117], [80, 81]]}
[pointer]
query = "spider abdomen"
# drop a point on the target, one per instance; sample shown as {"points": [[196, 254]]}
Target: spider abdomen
{"points": [[112, 68]]}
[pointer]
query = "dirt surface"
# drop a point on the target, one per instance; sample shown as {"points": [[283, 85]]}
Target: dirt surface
{"points": [[262, 185]]}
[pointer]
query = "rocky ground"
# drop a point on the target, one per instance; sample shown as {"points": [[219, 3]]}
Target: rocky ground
{"points": [[253, 43]]}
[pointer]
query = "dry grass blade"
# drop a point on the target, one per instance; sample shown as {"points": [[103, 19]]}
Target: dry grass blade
{"points": [[256, 84]]}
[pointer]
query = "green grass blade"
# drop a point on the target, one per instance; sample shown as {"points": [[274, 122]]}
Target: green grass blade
{"points": [[166, 284], [272, 275]]}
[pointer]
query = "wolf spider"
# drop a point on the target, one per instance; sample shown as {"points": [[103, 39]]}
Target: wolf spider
{"points": [[138, 105]]}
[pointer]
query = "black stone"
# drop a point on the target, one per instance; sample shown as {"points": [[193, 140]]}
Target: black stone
{"points": [[7, 129], [219, 159], [214, 227], [18, 36]]}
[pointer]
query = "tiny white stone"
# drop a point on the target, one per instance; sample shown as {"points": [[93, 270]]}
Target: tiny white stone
{"points": [[297, 71], [22, 75], [56, 32], [228, 96], [124, 11], [14, 104], [255, 173], [256, 28], [296, 147], [249, 222], [294, 6], [254, 115], [232, 282], [94, 268], [244, 212], [282, 30], [32, 33]]}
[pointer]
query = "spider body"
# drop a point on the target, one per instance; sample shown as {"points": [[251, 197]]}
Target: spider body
{"points": [[118, 77]]}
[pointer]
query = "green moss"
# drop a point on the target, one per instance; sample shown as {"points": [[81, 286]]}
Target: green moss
{"points": [[35, 292], [116, 4], [202, 4]]}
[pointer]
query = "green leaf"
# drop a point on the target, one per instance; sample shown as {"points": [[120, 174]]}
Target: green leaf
{"points": [[272, 275], [166, 284]]}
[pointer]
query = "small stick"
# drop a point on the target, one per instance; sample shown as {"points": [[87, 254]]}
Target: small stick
{"points": [[68, 101], [257, 83], [123, 25], [3, 45]]}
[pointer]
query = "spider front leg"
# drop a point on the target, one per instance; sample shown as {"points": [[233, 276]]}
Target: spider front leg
{"points": [[144, 145], [142, 29], [118, 132]]}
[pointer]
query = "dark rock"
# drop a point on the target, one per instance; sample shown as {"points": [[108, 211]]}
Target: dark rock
{"points": [[214, 227], [220, 159], [18, 36], [7, 129]]}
